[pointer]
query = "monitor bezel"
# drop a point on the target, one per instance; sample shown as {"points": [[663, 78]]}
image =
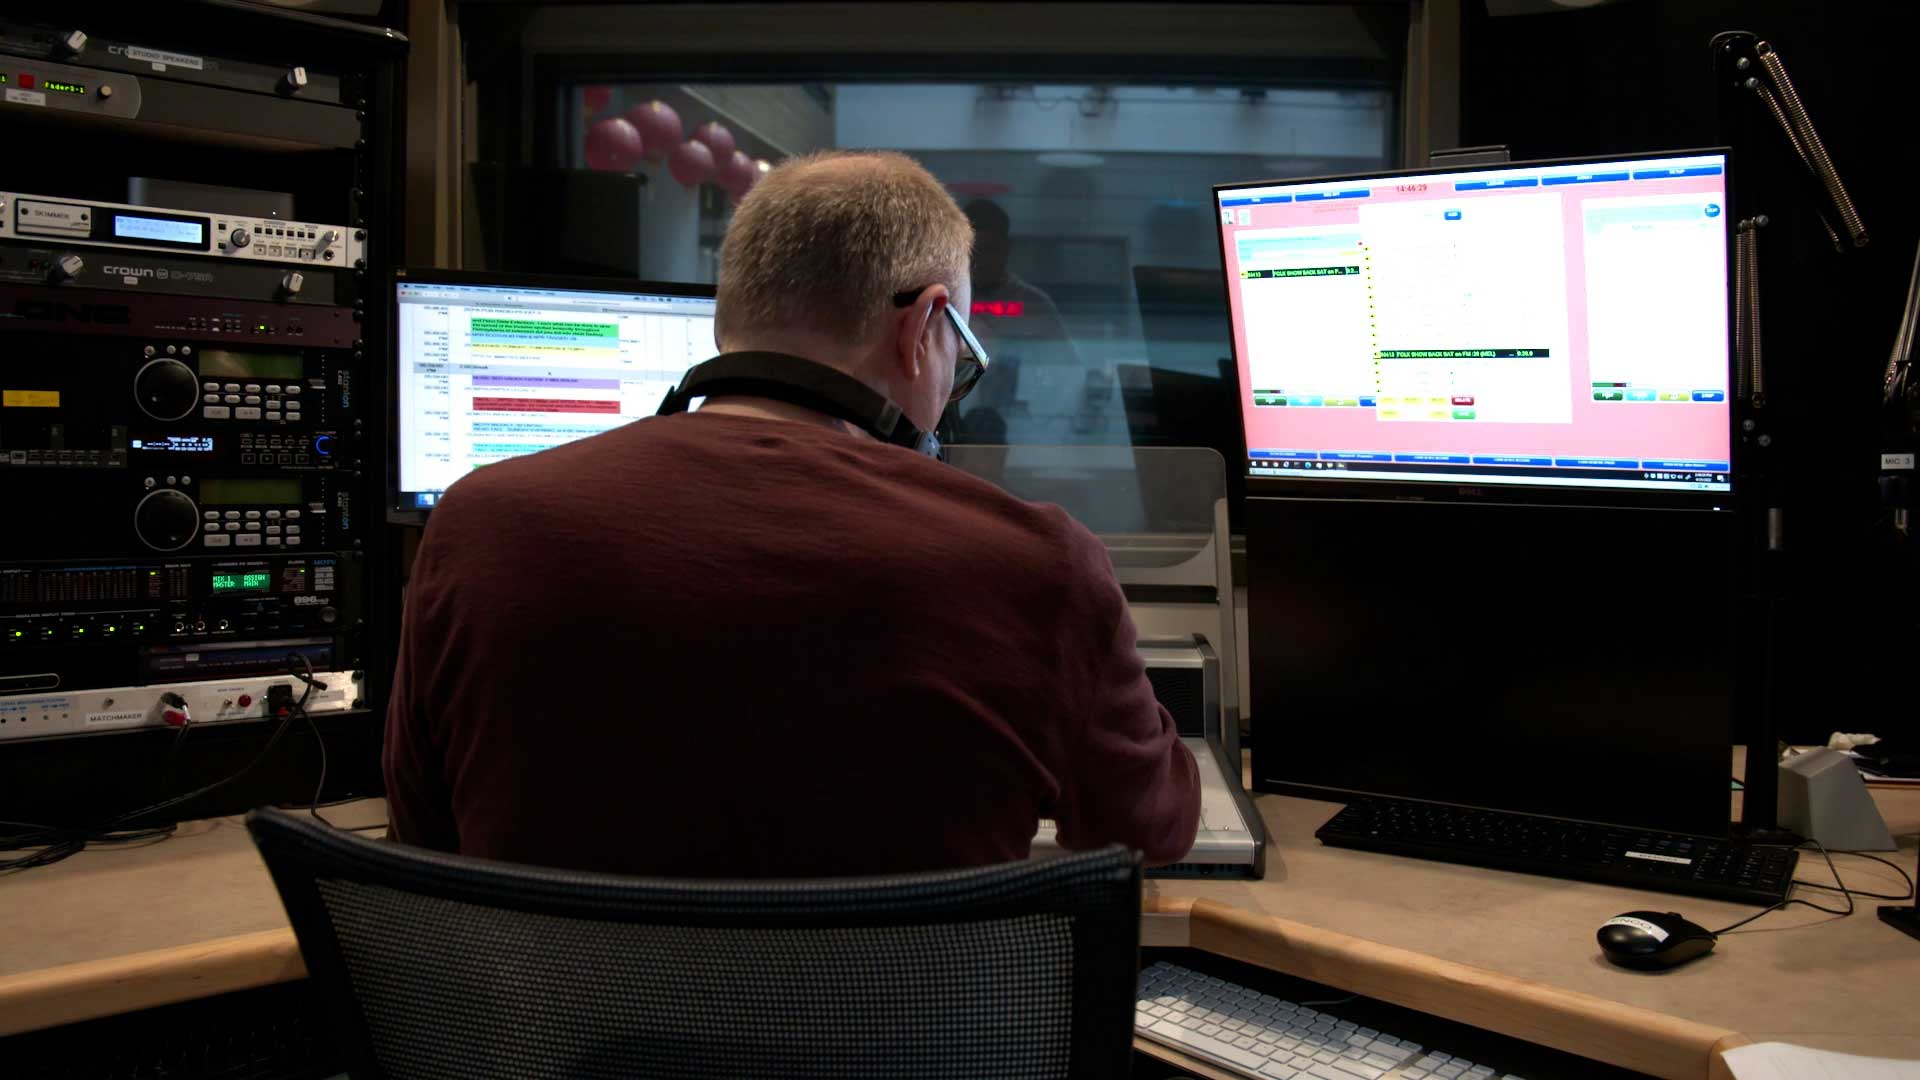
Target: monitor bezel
{"points": [[396, 514], [1467, 491]]}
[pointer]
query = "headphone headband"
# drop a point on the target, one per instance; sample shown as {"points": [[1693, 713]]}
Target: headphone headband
{"points": [[806, 383]]}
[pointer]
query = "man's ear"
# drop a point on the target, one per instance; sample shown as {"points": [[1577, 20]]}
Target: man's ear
{"points": [[914, 331]]}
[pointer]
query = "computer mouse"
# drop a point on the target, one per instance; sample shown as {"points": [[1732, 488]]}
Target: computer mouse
{"points": [[1651, 940]]}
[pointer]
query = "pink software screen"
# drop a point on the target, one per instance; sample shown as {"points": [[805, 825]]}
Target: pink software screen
{"points": [[1545, 324]]}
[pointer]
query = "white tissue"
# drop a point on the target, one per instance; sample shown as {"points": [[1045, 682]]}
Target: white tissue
{"points": [[1843, 741]]}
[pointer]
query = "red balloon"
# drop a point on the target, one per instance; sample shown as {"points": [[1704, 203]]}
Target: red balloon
{"points": [[659, 127], [690, 163], [718, 139], [613, 145], [736, 173], [596, 98]]}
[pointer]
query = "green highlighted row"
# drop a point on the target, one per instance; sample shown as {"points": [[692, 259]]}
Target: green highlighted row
{"points": [[1303, 271], [544, 328]]}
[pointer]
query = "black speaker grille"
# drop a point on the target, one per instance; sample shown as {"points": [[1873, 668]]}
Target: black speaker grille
{"points": [[1183, 692]]}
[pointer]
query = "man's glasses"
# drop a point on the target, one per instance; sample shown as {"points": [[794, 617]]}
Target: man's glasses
{"points": [[972, 361]]}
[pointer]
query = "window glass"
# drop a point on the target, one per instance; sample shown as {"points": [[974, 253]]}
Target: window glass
{"points": [[1096, 271]]}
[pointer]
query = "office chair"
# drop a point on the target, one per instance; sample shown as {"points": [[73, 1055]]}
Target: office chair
{"points": [[441, 965]]}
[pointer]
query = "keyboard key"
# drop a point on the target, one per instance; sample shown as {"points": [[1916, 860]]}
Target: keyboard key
{"points": [[1361, 1069], [1245, 1042], [1369, 1033], [1326, 1057], [1411, 1073], [1193, 1023], [1327, 1072], [1448, 1071], [1210, 1029], [1380, 1061], [1225, 1051], [1143, 1018], [1357, 1039], [1279, 1070], [1480, 1070], [1394, 1050]]}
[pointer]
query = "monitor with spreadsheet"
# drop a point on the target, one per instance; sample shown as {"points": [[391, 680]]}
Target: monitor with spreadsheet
{"points": [[491, 366], [1548, 325]]}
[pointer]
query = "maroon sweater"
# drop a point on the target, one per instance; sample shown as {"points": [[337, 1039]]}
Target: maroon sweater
{"points": [[724, 646]]}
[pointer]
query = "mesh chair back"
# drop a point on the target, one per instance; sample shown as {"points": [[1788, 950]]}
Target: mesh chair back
{"points": [[437, 965]]}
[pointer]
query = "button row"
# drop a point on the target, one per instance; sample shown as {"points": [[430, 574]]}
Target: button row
{"points": [[248, 539], [256, 388], [227, 406]]}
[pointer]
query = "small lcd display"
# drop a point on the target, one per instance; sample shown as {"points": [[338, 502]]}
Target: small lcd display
{"points": [[250, 364], [159, 230], [178, 444], [248, 581], [231, 491]]}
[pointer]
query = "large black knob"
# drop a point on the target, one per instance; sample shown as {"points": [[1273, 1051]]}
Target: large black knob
{"points": [[166, 389], [166, 520]]}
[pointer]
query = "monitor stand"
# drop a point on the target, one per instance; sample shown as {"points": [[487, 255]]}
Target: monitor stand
{"points": [[1904, 919]]}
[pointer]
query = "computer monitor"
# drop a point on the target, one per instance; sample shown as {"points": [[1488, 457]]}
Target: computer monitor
{"points": [[1529, 332], [1570, 661], [492, 366]]}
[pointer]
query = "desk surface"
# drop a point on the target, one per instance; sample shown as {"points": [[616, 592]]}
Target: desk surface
{"points": [[116, 929], [1795, 975]]}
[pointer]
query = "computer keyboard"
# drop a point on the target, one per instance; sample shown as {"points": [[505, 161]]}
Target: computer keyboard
{"points": [[1636, 858], [1259, 1035]]}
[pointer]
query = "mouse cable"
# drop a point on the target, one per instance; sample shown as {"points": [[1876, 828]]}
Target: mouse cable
{"points": [[1895, 867], [1840, 887]]}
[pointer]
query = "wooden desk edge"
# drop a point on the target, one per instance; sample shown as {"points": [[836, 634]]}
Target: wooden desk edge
{"points": [[1592, 1027], [50, 997], [1624, 1035]]}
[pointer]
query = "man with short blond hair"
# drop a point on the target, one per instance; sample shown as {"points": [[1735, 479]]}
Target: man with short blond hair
{"points": [[755, 641]]}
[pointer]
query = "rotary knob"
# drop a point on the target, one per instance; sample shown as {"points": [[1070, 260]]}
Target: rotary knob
{"points": [[239, 238], [166, 520], [166, 389], [66, 268]]}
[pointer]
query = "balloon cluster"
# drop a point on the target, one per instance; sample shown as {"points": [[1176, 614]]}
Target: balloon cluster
{"points": [[652, 132]]}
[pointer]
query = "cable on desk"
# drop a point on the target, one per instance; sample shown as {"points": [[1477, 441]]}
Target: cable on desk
{"points": [[1895, 867], [52, 843], [1839, 886]]}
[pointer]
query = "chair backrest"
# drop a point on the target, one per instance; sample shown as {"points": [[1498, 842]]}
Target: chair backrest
{"points": [[437, 965]]}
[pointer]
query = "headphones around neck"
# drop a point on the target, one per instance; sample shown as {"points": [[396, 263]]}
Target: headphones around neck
{"points": [[806, 383]]}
